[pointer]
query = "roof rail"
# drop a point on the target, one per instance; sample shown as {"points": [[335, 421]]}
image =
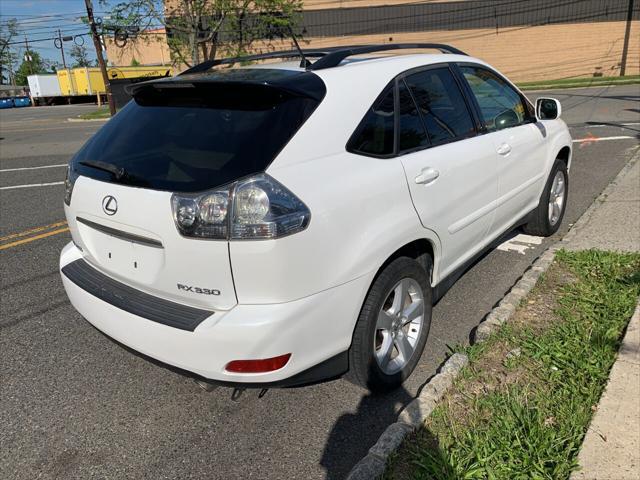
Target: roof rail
{"points": [[204, 66], [333, 59], [329, 57]]}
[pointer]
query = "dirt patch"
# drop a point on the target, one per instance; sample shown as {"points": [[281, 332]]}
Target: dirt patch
{"points": [[498, 367]]}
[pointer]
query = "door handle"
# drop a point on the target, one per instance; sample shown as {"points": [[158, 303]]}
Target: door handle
{"points": [[427, 175], [504, 149]]}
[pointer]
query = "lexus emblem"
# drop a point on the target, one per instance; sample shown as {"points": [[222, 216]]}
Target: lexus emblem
{"points": [[109, 205]]}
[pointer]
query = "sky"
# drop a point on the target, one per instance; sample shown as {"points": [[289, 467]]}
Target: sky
{"points": [[40, 20]]}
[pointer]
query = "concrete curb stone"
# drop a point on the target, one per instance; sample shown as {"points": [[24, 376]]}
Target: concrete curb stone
{"points": [[88, 119], [411, 417], [373, 465]]}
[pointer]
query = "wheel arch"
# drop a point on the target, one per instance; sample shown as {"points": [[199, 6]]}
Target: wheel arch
{"points": [[565, 154], [417, 249]]}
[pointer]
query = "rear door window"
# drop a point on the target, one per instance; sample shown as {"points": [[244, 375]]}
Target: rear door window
{"points": [[195, 138], [441, 104], [412, 132], [375, 134]]}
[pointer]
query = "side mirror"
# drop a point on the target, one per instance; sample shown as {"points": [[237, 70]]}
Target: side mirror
{"points": [[506, 119], [548, 109]]}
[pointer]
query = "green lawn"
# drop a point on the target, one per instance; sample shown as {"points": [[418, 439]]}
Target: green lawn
{"points": [[522, 406], [580, 82], [102, 112]]}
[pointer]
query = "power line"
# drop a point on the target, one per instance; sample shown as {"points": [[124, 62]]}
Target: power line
{"points": [[46, 39]]}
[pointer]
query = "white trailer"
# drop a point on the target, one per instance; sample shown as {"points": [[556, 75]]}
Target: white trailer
{"points": [[44, 88]]}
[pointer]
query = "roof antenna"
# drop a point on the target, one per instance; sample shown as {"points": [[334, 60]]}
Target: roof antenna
{"points": [[304, 63]]}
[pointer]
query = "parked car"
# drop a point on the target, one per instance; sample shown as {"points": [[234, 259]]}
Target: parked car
{"points": [[23, 101], [6, 102], [287, 223]]}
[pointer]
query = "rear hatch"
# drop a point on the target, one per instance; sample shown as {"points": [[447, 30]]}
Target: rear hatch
{"points": [[178, 136]]}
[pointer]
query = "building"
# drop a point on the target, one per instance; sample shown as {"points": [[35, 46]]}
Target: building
{"points": [[147, 48], [527, 40]]}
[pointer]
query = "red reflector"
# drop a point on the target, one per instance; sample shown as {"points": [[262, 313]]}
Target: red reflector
{"points": [[258, 366]]}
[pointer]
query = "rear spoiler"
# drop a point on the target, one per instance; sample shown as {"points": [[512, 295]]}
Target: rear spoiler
{"points": [[304, 84]]}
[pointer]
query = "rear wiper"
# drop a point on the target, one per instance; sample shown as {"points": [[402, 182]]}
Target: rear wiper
{"points": [[118, 172]]}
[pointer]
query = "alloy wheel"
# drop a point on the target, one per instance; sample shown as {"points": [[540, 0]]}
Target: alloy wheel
{"points": [[398, 326]]}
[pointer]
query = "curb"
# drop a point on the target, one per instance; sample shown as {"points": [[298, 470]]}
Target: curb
{"points": [[372, 466], [87, 119], [601, 454]]}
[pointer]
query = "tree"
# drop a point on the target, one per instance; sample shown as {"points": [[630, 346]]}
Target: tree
{"points": [[8, 30], [198, 30], [31, 64], [80, 56]]}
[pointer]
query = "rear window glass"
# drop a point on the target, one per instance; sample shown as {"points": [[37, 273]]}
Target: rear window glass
{"points": [[195, 138]]}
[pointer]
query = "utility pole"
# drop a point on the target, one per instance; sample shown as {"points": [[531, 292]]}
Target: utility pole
{"points": [[64, 64], [27, 56], [98, 46], [627, 34]]}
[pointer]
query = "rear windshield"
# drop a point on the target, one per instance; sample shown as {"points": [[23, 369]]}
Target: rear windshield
{"points": [[194, 137]]}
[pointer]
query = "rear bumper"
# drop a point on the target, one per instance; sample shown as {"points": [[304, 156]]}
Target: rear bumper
{"points": [[316, 330]]}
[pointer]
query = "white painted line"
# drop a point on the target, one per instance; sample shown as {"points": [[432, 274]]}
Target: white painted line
{"points": [[32, 168], [601, 139], [530, 239], [520, 243], [31, 185]]}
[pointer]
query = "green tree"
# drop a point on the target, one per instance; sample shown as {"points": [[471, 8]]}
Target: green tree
{"points": [[8, 57], [199, 30], [32, 64], [80, 56], [134, 63]]}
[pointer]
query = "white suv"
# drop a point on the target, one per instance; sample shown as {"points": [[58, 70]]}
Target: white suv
{"points": [[286, 223]]}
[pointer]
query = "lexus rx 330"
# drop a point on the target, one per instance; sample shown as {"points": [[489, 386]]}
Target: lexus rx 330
{"points": [[286, 223]]}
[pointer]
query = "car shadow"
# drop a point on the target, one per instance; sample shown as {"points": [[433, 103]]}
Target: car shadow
{"points": [[353, 434]]}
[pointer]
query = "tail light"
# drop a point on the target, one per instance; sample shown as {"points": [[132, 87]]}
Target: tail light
{"points": [[257, 208], [69, 182]]}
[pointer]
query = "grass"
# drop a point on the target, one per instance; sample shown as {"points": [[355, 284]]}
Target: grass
{"points": [[580, 82], [102, 112], [522, 406]]}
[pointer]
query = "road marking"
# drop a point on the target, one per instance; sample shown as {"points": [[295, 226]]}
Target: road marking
{"points": [[32, 168], [520, 243], [601, 139], [31, 185], [34, 238], [32, 230]]}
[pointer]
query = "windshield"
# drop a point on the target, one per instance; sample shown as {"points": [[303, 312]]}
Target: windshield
{"points": [[194, 137]]}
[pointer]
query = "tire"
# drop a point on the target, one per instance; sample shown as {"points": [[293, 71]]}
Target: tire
{"points": [[541, 221], [368, 364]]}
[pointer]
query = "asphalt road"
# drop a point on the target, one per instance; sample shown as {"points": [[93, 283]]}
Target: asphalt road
{"points": [[77, 405]]}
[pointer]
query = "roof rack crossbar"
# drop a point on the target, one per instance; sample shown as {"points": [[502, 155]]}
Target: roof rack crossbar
{"points": [[333, 59], [204, 66], [329, 57]]}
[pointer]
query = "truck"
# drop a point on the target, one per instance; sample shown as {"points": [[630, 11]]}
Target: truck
{"points": [[44, 88], [85, 84]]}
